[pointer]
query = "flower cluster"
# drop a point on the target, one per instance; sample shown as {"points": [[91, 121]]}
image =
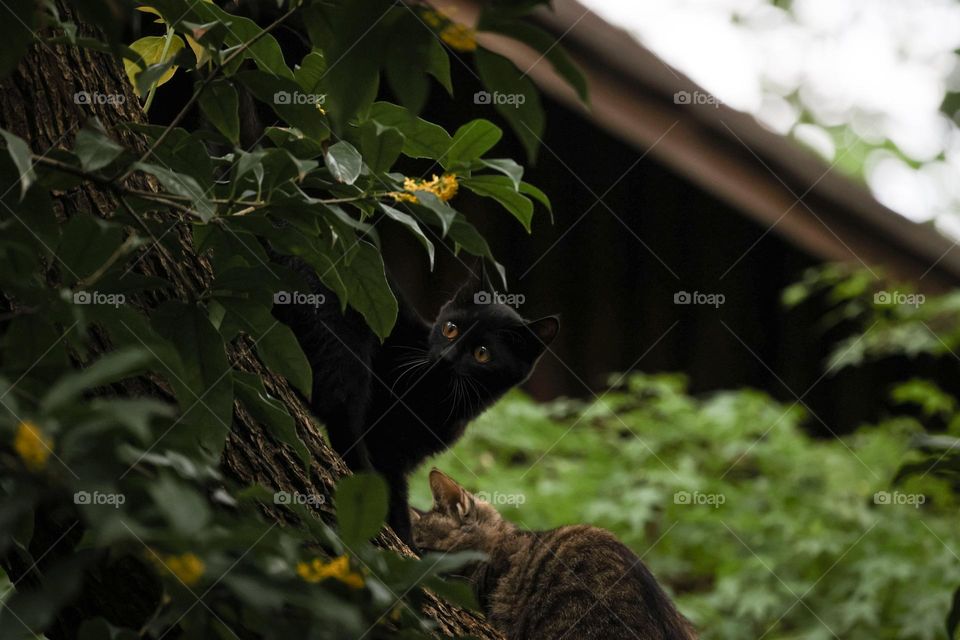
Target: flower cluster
{"points": [[338, 569], [32, 446], [187, 567], [457, 36], [444, 187]]}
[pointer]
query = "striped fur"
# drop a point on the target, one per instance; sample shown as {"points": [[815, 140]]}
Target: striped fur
{"points": [[576, 582]]}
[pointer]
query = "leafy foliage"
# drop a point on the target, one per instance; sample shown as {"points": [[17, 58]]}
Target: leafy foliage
{"points": [[136, 479], [758, 529], [893, 319]]}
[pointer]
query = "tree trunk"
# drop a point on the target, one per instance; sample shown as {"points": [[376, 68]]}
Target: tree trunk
{"points": [[37, 102]]}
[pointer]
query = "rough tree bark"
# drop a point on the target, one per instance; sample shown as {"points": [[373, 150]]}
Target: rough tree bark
{"points": [[37, 103]]}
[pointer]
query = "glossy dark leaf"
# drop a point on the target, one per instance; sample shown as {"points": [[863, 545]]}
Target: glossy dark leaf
{"points": [[515, 98], [501, 189], [269, 412], [361, 503], [220, 104], [344, 162]]}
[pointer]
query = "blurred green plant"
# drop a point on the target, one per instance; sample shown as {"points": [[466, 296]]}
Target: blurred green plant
{"points": [[759, 530], [895, 319]]}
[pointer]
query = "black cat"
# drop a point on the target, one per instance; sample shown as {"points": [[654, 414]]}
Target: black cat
{"points": [[392, 405]]}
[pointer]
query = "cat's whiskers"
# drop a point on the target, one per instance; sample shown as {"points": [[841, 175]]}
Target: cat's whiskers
{"points": [[408, 366], [456, 391]]}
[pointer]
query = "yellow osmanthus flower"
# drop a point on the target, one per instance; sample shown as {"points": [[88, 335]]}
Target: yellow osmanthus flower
{"points": [[186, 566], [338, 569], [459, 37], [432, 18], [444, 187], [32, 446]]}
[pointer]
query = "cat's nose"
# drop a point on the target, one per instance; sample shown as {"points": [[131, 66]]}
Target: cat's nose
{"points": [[448, 355]]}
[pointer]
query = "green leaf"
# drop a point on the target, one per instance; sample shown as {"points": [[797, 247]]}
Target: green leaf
{"points": [[33, 345], [538, 195], [422, 139], [444, 213], [134, 413], [311, 70], [181, 151], [381, 146], [369, 292], [344, 162], [86, 244], [153, 50], [220, 104], [414, 226], [20, 154], [507, 167], [468, 238], [94, 148], [17, 29], [444, 563], [281, 352], [438, 64], [262, 48], [275, 342], [361, 502], [288, 101], [523, 111], [453, 591], [501, 189], [201, 380], [183, 507], [471, 141], [113, 366], [405, 67], [294, 142], [353, 41], [269, 412], [182, 185]]}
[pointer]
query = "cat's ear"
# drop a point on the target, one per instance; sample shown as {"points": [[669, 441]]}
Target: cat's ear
{"points": [[470, 291], [450, 497], [544, 331]]}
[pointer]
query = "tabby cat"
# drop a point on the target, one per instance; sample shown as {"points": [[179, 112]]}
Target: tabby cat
{"points": [[577, 582], [391, 405]]}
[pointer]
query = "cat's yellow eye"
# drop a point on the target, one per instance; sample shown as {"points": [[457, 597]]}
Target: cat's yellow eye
{"points": [[450, 330], [481, 354]]}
